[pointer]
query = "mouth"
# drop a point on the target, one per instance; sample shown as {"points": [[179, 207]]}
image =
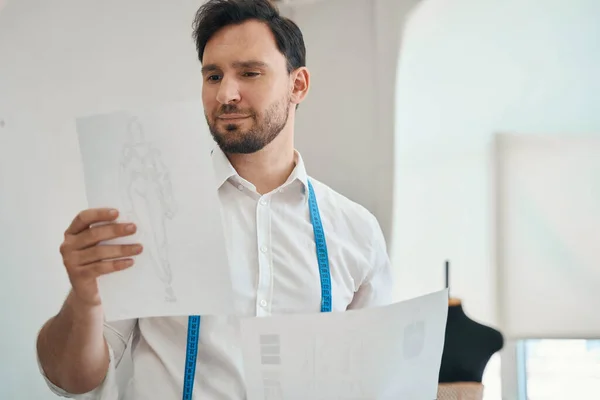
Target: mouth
{"points": [[232, 117]]}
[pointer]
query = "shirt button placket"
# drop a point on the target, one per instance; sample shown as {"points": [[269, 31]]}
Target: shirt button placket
{"points": [[264, 257]]}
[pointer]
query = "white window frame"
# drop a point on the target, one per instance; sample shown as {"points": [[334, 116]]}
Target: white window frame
{"points": [[513, 370]]}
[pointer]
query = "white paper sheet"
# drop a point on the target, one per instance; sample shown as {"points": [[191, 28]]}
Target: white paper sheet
{"points": [[154, 165], [385, 353]]}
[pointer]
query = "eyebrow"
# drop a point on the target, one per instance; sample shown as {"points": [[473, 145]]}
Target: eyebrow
{"points": [[237, 65]]}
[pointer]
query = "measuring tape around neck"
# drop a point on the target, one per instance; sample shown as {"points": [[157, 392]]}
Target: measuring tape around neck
{"points": [[321, 244], [324, 273]]}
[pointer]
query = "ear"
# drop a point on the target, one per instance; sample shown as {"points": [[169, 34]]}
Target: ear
{"points": [[300, 84]]}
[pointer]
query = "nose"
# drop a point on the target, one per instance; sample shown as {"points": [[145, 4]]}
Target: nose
{"points": [[228, 91]]}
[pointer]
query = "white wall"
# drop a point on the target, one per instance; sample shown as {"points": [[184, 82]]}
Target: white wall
{"points": [[470, 68], [346, 128], [66, 58]]}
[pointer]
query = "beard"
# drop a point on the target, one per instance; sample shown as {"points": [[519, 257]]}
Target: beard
{"points": [[234, 139]]}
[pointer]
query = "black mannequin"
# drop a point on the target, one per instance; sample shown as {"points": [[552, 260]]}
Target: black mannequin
{"points": [[468, 347]]}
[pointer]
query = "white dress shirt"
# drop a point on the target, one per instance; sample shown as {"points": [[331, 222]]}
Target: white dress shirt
{"points": [[272, 255]]}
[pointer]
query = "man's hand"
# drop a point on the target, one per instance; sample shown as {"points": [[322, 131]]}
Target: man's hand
{"points": [[85, 260]]}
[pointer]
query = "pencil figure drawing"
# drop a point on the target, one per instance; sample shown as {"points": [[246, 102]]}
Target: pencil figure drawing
{"points": [[147, 196]]}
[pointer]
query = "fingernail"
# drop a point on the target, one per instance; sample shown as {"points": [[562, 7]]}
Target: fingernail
{"points": [[113, 213], [137, 249], [130, 228]]}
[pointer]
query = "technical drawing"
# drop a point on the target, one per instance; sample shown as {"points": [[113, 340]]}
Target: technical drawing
{"points": [[345, 369], [147, 194], [272, 385], [270, 352], [414, 339]]}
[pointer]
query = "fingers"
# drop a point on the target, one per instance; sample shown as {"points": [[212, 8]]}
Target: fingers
{"points": [[106, 267], [100, 253], [99, 268], [97, 234], [85, 218], [85, 260]]}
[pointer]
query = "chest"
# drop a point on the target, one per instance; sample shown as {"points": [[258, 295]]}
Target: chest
{"points": [[273, 259]]}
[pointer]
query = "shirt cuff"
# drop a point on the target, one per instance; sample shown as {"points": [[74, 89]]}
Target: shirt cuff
{"points": [[107, 390]]}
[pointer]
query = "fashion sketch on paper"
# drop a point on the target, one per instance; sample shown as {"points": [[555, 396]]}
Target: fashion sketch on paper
{"points": [[147, 195]]}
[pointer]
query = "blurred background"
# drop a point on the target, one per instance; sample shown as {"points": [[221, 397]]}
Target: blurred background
{"points": [[470, 128]]}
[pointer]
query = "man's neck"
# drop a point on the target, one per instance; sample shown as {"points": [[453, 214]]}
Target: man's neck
{"points": [[268, 168]]}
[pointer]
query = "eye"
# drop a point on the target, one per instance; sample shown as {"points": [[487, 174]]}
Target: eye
{"points": [[213, 78], [251, 74]]}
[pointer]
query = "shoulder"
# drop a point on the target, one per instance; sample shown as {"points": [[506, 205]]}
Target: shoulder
{"points": [[357, 242], [346, 215]]}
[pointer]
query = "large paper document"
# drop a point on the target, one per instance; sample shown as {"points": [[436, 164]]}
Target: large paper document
{"points": [[385, 353], [155, 166]]}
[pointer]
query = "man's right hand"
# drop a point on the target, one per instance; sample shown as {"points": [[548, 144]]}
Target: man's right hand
{"points": [[85, 260]]}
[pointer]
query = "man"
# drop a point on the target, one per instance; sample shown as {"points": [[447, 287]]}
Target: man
{"points": [[254, 73]]}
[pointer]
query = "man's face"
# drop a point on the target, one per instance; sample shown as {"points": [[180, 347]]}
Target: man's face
{"points": [[247, 88]]}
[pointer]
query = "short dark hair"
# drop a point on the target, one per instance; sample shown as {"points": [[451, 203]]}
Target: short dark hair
{"points": [[217, 14]]}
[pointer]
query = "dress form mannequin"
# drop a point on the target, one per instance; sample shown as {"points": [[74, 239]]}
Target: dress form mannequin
{"points": [[468, 347]]}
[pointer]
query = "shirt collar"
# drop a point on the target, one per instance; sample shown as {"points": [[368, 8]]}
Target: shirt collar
{"points": [[224, 170], [222, 167]]}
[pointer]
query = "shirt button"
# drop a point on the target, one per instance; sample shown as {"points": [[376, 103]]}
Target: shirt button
{"points": [[263, 202], [263, 303], [241, 187], [263, 249]]}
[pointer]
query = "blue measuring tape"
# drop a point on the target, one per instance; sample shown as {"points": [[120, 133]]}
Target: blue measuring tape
{"points": [[321, 244], [324, 272]]}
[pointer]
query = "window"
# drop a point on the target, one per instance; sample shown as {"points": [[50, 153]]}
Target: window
{"points": [[560, 369]]}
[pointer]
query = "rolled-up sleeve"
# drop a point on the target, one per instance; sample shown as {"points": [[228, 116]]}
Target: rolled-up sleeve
{"points": [[117, 335], [377, 288]]}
